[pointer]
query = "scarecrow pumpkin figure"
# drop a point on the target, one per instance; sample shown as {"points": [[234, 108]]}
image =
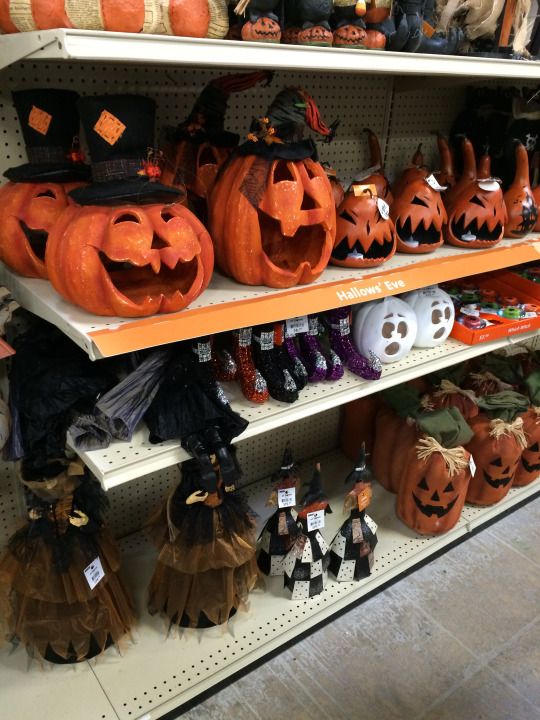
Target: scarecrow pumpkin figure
{"points": [[306, 563], [127, 248], [67, 602], [199, 146], [272, 212], [206, 564], [31, 203], [497, 445], [351, 553], [263, 22], [281, 529], [436, 473]]}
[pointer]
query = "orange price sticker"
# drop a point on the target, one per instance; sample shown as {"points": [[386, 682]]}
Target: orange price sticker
{"points": [[109, 127], [428, 29], [39, 120], [359, 190]]}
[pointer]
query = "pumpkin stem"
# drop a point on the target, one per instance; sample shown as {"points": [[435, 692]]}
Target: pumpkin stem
{"points": [[456, 459], [500, 427], [374, 150]]}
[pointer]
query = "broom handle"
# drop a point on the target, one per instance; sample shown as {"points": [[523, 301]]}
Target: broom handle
{"points": [[506, 27]]}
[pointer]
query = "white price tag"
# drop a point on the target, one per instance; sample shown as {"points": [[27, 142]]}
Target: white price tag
{"points": [[469, 311], [489, 185], [384, 208], [472, 465], [297, 325], [94, 573], [370, 522], [434, 183], [315, 520], [286, 497]]}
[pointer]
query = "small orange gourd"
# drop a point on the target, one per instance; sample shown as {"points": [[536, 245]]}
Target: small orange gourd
{"points": [[519, 200]]}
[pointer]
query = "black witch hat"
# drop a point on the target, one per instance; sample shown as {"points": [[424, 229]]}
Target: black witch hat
{"points": [[362, 472], [50, 127], [119, 131], [315, 492]]}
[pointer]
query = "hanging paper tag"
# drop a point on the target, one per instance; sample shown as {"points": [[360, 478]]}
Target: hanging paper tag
{"points": [[370, 522], [286, 497], [266, 340], [244, 337], [434, 183], [315, 520], [360, 190], [297, 325], [489, 185], [94, 573], [313, 326], [472, 465], [384, 208], [367, 172], [204, 351]]}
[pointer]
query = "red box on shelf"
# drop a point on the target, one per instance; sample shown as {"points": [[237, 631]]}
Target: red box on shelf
{"points": [[499, 327]]}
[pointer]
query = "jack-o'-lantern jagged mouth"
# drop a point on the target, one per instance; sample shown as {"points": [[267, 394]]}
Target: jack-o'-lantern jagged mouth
{"points": [[473, 232], [376, 251], [166, 278], [37, 239], [438, 510], [497, 482], [530, 467], [422, 235], [289, 253]]}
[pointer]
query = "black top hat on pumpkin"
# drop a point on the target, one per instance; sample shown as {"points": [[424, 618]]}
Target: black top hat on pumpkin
{"points": [[50, 127], [119, 131]]}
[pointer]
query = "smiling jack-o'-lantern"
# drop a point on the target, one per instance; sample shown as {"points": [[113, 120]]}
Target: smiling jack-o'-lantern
{"points": [[365, 234], [419, 215], [36, 196], [434, 314], [519, 199], [387, 328], [475, 206], [273, 218], [200, 145], [528, 469]]}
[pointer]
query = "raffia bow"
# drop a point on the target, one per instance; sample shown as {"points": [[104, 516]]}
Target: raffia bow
{"points": [[426, 404], [447, 387], [456, 459], [489, 376], [500, 427]]}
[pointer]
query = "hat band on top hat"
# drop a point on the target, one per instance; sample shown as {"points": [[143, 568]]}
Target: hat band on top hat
{"points": [[52, 154], [118, 169]]}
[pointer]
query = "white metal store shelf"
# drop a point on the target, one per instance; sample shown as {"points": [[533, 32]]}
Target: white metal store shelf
{"points": [[123, 461], [158, 675], [226, 304], [160, 49]]}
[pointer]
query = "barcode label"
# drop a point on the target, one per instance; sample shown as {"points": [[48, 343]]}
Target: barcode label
{"points": [[297, 325], [94, 573], [315, 520], [286, 497]]}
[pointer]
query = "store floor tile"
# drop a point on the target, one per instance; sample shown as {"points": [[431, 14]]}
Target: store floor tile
{"points": [[458, 639]]}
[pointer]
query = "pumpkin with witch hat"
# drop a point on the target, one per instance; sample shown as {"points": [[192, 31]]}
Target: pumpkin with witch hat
{"points": [[128, 248], [31, 203], [272, 211]]}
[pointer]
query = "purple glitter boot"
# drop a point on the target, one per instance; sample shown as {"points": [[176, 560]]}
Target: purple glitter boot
{"points": [[311, 353], [339, 334]]}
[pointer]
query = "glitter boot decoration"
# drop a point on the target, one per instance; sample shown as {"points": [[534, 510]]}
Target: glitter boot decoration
{"points": [[340, 341], [252, 383]]}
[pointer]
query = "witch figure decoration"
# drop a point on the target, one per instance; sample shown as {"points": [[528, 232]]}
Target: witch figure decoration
{"points": [[281, 529], [306, 564], [351, 553], [206, 539], [67, 602]]}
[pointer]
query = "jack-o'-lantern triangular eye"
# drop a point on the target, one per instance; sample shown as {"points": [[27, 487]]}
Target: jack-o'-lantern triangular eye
{"points": [[126, 217], [449, 488], [46, 193], [535, 447], [418, 201], [497, 462], [423, 484]]}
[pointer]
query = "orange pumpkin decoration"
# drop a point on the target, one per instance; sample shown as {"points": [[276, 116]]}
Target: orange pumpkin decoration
{"points": [[496, 448], [187, 18], [364, 236], [415, 170], [39, 15], [262, 29], [520, 203], [273, 219], [28, 212], [376, 12], [375, 40], [433, 487], [377, 178], [449, 395], [337, 187], [445, 175], [419, 215], [528, 469], [200, 145], [130, 260], [536, 196], [476, 208]]}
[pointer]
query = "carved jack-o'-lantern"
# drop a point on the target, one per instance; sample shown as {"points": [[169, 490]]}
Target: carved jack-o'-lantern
{"points": [[496, 448], [434, 314], [419, 216], [387, 328], [430, 499], [475, 207], [273, 220], [519, 199], [130, 260], [528, 469], [262, 29], [365, 234], [28, 212]]}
